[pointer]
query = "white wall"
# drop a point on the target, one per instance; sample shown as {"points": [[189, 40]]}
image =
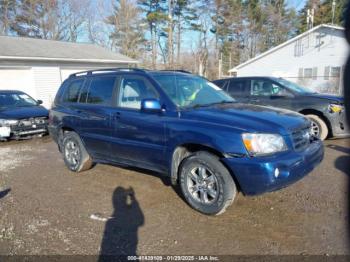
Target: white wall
{"points": [[283, 62], [41, 81], [19, 78]]}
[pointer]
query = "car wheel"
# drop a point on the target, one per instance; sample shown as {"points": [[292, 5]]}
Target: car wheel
{"points": [[318, 127], [206, 184], [74, 153]]}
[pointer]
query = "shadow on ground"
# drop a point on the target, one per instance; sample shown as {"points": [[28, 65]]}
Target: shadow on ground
{"points": [[342, 163], [121, 230]]}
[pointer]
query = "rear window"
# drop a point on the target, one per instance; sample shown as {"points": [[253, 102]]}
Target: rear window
{"points": [[101, 90], [237, 87], [71, 93]]}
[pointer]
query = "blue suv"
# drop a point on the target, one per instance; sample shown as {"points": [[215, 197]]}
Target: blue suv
{"points": [[185, 127]]}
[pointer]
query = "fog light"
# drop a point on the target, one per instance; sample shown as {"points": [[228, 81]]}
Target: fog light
{"points": [[277, 172]]}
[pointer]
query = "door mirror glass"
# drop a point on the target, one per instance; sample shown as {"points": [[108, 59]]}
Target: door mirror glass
{"points": [[150, 105]]}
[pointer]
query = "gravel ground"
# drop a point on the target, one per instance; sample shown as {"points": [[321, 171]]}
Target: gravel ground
{"points": [[45, 209]]}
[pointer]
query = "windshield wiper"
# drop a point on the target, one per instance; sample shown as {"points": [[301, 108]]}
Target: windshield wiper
{"points": [[211, 104]]}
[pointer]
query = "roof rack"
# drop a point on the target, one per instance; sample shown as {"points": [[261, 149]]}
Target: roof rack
{"points": [[107, 70], [176, 70]]}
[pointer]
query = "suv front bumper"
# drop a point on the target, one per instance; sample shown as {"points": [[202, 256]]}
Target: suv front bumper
{"points": [[257, 175]]}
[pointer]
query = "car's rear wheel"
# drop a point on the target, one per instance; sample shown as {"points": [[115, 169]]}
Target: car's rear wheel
{"points": [[206, 183], [318, 127], [75, 156]]}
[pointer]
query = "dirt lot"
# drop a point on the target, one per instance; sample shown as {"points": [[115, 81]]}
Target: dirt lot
{"points": [[50, 210]]}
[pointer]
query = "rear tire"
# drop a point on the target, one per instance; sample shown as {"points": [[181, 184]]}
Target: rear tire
{"points": [[75, 156], [206, 184], [318, 127]]}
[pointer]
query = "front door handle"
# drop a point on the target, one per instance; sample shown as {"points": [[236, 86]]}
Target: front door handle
{"points": [[116, 116]]}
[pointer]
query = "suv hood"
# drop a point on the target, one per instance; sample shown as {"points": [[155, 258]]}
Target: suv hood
{"points": [[23, 112], [249, 118]]}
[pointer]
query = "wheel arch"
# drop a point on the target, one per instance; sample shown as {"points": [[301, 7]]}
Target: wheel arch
{"points": [[321, 115], [61, 132], [184, 150]]}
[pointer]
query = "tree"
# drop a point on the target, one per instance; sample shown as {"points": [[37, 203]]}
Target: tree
{"points": [[7, 13], [155, 16], [127, 35], [39, 19], [186, 19], [322, 13]]}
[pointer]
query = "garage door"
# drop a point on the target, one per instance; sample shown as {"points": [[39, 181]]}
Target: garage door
{"points": [[18, 79]]}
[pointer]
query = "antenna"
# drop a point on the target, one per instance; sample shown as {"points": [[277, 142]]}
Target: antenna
{"points": [[310, 18], [333, 11]]}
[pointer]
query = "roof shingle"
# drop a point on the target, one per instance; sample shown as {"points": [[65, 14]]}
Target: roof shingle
{"points": [[30, 48]]}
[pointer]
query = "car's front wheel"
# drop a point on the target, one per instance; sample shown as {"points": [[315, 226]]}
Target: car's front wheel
{"points": [[75, 156], [318, 127], [206, 183]]}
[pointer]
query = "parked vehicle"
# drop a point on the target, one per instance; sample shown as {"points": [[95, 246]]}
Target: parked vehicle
{"points": [[182, 126], [21, 116], [326, 112]]}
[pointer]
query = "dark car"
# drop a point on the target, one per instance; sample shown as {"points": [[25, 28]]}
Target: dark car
{"points": [[184, 127], [21, 116], [326, 112]]}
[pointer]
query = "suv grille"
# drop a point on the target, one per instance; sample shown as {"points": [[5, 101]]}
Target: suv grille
{"points": [[31, 123], [301, 138]]}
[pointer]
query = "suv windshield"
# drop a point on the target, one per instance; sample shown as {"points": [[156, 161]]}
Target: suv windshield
{"points": [[16, 100], [293, 86], [191, 91]]}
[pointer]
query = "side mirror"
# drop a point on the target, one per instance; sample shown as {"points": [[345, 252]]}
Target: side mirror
{"points": [[151, 105], [39, 102]]}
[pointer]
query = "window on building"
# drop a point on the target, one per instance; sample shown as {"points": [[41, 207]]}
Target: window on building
{"points": [[314, 73], [308, 73], [326, 73], [72, 91], [300, 73], [101, 90], [335, 71]]}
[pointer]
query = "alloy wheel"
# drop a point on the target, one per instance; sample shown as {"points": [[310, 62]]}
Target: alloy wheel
{"points": [[202, 185]]}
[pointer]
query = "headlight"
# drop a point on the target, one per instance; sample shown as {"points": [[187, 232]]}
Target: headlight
{"points": [[263, 144], [335, 108], [8, 122]]}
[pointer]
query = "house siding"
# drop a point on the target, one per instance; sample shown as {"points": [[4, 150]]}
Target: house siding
{"points": [[322, 48]]}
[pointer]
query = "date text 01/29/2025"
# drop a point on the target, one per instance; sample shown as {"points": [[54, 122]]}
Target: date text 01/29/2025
{"points": [[173, 258]]}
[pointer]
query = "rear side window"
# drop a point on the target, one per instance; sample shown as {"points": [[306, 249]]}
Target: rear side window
{"points": [[221, 83], [101, 90], [71, 93], [237, 87]]}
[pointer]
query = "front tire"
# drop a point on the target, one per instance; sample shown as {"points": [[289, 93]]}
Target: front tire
{"points": [[206, 183], [75, 156], [318, 127]]}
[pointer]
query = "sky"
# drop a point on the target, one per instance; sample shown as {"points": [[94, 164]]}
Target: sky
{"points": [[297, 4]]}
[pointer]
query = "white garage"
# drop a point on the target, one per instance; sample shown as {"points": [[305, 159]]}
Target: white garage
{"points": [[38, 67]]}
